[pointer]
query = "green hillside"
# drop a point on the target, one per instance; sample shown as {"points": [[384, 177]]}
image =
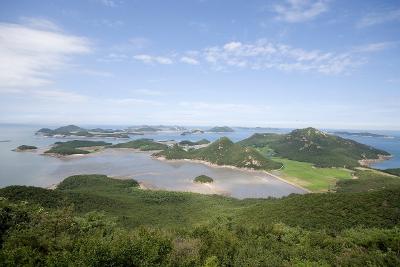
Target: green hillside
{"points": [[92, 220], [133, 206], [314, 146], [223, 152], [143, 144], [368, 180], [395, 171]]}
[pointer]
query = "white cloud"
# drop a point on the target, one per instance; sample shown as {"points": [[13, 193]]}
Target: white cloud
{"points": [[262, 55], [374, 47], [265, 55], [148, 59], [232, 46], [29, 55], [376, 18], [189, 60], [300, 10]]}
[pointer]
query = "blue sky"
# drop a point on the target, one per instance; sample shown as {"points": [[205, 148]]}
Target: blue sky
{"points": [[295, 63]]}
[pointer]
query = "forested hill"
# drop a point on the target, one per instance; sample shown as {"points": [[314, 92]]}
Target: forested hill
{"points": [[314, 146], [223, 152], [92, 220]]}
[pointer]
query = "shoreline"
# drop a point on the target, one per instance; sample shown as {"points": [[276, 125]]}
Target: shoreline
{"points": [[369, 162], [235, 168]]}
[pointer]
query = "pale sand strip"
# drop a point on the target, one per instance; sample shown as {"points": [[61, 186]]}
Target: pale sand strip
{"points": [[235, 168]]}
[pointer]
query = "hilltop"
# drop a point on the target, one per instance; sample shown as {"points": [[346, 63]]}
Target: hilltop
{"points": [[314, 146], [197, 143], [223, 152], [220, 129]]}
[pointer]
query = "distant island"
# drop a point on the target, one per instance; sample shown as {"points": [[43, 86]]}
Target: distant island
{"points": [[195, 131], [362, 134], [147, 129], [143, 144], [221, 129], [203, 179], [25, 148], [73, 130]]}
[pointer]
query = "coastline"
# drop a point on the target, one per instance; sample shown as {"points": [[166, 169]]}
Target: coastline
{"points": [[235, 168], [369, 162]]}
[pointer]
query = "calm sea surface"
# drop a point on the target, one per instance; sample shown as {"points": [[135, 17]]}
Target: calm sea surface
{"points": [[31, 168]]}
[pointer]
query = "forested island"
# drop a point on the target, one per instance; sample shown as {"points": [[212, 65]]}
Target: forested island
{"points": [[25, 148], [76, 147], [221, 129]]}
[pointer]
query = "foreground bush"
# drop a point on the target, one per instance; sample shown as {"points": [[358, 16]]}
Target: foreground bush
{"points": [[33, 236]]}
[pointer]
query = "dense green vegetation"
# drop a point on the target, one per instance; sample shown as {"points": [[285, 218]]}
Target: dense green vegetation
{"points": [[203, 179], [72, 147], [127, 226], [190, 143], [34, 237], [368, 180], [221, 129], [26, 147], [135, 207], [395, 171], [314, 146], [310, 177], [143, 144], [223, 152]]}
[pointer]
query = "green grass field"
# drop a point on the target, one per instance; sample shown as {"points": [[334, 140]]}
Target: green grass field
{"points": [[310, 177]]}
